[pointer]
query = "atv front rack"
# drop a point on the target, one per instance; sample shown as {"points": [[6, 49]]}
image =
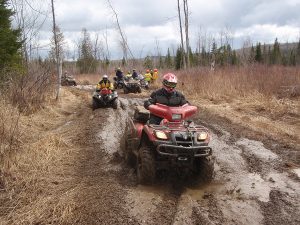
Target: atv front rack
{"points": [[176, 151]]}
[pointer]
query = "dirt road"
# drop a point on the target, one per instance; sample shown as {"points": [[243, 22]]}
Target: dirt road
{"points": [[90, 183]]}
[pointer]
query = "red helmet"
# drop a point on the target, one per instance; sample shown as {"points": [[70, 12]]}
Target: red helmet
{"points": [[147, 71], [169, 82], [155, 70]]}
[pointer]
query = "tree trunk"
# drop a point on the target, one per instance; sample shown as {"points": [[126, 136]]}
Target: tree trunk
{"points": [[56, 53], [181, 35], [186, 25]]}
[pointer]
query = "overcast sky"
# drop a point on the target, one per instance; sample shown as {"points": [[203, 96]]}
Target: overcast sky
{"points": [[148, 24]]}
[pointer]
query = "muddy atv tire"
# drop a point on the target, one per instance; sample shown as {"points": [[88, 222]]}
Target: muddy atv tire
{"points": [[205, 169], [139, 90], [130, 158], [125, 90], [145, 166], [95, 104], [115, 104]]}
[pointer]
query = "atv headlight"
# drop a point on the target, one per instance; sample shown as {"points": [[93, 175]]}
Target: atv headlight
{"points": [[176, 116], [202, 136], [160, 135]]}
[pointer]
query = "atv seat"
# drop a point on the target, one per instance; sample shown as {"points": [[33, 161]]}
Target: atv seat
{"points": [[141, 114]]}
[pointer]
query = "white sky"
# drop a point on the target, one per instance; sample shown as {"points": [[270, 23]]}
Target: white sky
{"points": [[148, 23]]}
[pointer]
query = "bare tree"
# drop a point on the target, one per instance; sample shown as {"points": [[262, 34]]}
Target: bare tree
{"points": [[30, 16], [123, 41], [56, 52], [181, 35], [186, 25]]}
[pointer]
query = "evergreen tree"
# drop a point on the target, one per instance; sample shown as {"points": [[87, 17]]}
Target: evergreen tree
{"points": [[258, 55], [179, 58], [168, 60], [160, 62], [276, 55], [298, 53], [86, 61], [148, 62], [60, 44], [292, 58], [234, 58], [252, 54], [10, 43]]}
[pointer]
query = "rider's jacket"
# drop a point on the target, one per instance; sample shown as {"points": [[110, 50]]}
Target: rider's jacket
{"points": [[163, 97], [134, 75], [148, 76], [119, 75], [104, 84], [155, 75]]}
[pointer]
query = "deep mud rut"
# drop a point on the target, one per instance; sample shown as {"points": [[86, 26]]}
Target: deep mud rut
{"points": [[249, 186]]}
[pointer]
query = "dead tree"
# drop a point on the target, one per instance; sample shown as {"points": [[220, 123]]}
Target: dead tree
{"points": [[56, 52], [186, 25], [124, 43], [181, 35]]}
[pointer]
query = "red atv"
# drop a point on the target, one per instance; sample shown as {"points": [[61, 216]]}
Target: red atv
{"points": [[174, 143]]}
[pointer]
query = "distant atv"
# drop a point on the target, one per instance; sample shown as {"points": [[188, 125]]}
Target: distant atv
{"points": [[68, 81], [105, 98], [118, 83], [132, 86], [176, 144], [144, 84]]}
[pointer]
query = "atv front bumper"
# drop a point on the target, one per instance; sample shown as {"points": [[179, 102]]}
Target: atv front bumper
{"points": [[176, 151]]}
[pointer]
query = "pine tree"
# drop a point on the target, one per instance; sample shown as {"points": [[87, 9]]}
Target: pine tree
{"points": [[298, 53], [252, 54], [148, 62], [276, 55], [86, 62], [258, 55], [179, 58], [10, 43], [168, 60]]}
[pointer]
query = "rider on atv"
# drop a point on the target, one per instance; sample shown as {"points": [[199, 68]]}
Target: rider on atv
{"points": [[119, 74], [104, 83], [167, 95]]}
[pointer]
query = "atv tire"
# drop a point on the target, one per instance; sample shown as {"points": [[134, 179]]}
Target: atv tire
{"points": [[95, 104], [205, 169], [126, 91], [139, 90], [130, 158], [115, 104], [145, 166]]}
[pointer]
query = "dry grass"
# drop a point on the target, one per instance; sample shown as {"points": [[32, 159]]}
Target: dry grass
{"points": [[34, 171], [239, 81]]}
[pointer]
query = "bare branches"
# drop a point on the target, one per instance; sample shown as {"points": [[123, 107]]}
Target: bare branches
{"points": [[124, 43]]}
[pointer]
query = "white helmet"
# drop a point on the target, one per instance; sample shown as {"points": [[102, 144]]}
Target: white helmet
{"points": [[105, 77]]}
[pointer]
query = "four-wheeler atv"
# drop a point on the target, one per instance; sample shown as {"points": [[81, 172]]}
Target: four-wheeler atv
{"points": [[132, 86], [105, 98], [68, 81], [144, 83], [118, 84], [175, 144]]}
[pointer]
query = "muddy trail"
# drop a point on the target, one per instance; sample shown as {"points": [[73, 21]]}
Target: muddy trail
{"points": [[93, 185]]}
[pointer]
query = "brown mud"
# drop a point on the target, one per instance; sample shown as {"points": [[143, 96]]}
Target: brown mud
{"points": [[93, 185]]}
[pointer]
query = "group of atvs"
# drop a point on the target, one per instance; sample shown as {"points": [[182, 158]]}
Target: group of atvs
{"points": [[109, 98]]}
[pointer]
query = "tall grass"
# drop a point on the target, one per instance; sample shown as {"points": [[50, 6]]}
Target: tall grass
{"points": [[21, 94], [240, 81]]}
